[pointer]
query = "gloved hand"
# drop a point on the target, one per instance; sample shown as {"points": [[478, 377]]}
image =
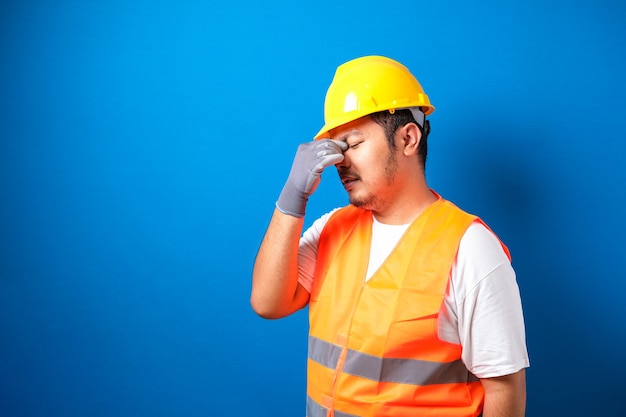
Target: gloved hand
{"points": [[306, 171]]}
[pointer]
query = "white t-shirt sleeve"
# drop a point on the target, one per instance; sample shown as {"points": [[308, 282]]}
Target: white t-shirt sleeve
{"points": [[307, 252], [484, 305]]}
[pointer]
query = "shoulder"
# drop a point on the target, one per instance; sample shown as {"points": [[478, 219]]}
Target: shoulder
{"points": [[480, 254], [479, 242]]}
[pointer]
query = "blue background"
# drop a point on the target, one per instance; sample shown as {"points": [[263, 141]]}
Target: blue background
{"points": [[143, 144]]}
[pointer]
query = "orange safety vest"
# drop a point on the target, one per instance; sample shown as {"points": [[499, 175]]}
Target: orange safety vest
{"points": [[373, 345]]}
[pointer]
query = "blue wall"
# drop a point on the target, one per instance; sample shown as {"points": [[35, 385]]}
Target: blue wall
{"points": [[143, 144]]}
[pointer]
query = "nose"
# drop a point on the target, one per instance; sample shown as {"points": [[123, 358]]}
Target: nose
{"points": [[345, 163]]}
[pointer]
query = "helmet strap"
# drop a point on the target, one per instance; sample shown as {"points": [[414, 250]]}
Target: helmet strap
{"points": [[418, 115], [417, 112]]}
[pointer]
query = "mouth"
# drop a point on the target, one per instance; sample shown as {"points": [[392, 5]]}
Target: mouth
{"points": [[348, 180]]}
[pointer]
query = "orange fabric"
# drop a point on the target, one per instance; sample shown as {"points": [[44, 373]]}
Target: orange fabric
{"points": [[392, 315]]}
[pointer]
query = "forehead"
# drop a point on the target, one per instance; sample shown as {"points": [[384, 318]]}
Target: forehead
{"points": [[364, 126]]}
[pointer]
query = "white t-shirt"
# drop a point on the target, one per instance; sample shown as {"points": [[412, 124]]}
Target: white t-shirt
{"points": [[482, 309]]}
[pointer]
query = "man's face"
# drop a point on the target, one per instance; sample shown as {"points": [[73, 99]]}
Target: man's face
{"points": [[369, 169]]}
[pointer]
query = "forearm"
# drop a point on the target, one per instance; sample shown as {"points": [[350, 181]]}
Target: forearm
{"points": [[505, 396], [275, 290]]}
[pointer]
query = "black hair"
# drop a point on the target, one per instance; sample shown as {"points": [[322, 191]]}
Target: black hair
{"points": [[391, 122]]}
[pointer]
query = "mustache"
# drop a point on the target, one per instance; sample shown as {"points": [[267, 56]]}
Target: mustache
{"points": [[347, 174]]}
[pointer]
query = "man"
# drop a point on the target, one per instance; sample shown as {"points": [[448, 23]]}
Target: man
{"points": [[413, 304]]}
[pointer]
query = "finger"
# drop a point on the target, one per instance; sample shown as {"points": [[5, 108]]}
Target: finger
{"points": [[342, 144], [327, 149], [336, 145], [326, 161]]}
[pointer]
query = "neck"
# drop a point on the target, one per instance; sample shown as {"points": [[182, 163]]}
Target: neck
{"points": [[408, 207]]}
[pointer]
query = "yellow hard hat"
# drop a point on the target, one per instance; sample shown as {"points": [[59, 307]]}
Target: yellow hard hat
{"points": [[368, 85]]}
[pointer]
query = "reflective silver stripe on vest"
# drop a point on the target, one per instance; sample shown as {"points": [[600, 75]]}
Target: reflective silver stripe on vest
{"points": [[313, 409], [324, 353], [405, 371]]}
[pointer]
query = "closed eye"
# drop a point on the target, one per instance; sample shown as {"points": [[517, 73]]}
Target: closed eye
{"points": [[354, 145]]}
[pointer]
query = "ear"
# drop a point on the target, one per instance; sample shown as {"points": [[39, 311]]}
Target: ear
{"points": [[410, 136]]}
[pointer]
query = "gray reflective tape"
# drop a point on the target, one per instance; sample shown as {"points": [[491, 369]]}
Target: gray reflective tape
{"points": [[405, 371], [313, 409], [324, 353], [340, 414]]}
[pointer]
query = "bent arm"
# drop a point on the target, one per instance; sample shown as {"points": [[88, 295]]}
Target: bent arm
{"points": [[275, 289], [505, 396]]}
